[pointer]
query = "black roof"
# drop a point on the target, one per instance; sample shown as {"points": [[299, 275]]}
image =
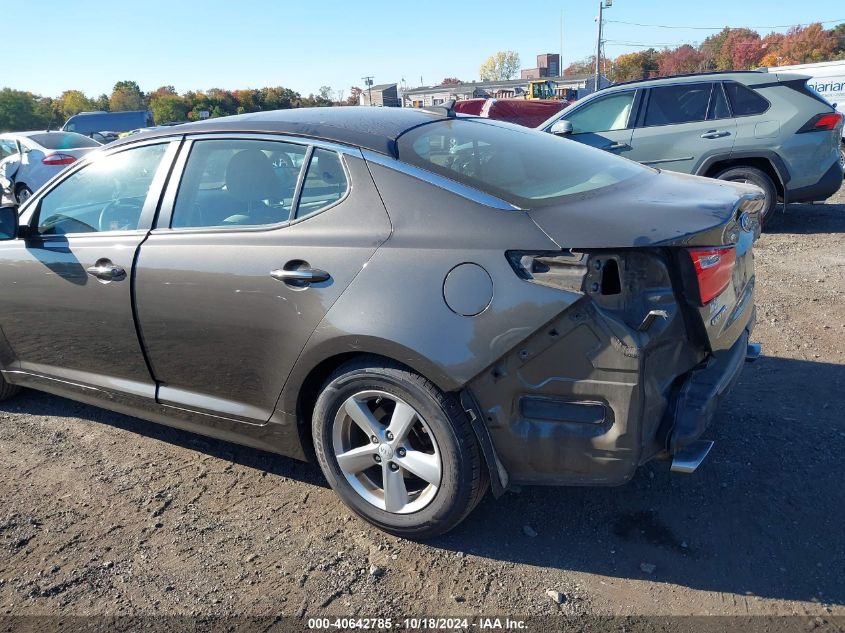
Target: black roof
{"points": [[361, 126]]}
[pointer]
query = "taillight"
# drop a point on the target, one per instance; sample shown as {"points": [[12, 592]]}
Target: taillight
{"points": [[58, 159], [822, 123], [713, 267]]}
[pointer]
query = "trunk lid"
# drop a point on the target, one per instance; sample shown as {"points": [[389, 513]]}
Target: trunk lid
{"points": [[682, 216]]}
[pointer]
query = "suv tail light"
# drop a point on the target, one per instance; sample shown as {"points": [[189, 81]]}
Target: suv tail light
{"points": [[58, 159], [713, 267], [825, 122]]}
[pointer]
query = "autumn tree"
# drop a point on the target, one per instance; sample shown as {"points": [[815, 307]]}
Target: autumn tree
{"points": [[586, 66], [502, 65], [451, 81], [354, 97], [167, 108], [679, 61], [126, 95], [638, 65], [740, 49], [802, 46], [73, 102]]}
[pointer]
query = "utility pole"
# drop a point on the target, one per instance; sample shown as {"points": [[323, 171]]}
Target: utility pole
{"points": [[368, 81], [603, 4]]}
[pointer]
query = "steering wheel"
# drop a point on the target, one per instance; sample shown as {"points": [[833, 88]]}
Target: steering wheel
{"points": [[120, 215]]}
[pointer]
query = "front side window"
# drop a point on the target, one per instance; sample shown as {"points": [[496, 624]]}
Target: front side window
{"points": [[106, 195], [525, 167], [238, 183], [684, 103], [603, 114], [744, 101]]}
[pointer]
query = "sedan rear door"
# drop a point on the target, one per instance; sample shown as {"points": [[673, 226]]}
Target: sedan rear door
{"points": [[258, 241]]}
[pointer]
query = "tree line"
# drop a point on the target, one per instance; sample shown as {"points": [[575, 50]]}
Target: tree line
{"points": [[730, 49], [21, 110]]}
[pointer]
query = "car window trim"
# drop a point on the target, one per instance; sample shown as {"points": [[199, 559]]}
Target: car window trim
{"points": [[165, 215], [151, 201], [719, 85]]}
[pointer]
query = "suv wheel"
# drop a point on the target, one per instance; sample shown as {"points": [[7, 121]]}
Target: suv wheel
{"points": [[842, 155], [7, 391], [754, 176], [397, 450], [22, 193]]}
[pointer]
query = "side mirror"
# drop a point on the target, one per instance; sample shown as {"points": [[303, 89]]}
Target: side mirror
{"points": [[561, 128], [8, 223]]}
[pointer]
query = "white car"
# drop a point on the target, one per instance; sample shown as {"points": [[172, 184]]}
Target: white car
{"points": [[30, 159]]}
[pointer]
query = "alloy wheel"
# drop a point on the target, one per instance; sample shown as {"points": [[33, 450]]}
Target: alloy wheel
{"points": [[387, 452]]}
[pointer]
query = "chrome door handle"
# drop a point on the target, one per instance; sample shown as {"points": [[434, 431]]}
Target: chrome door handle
{"points": [[715, 134], [305, 275], [106, 271]]}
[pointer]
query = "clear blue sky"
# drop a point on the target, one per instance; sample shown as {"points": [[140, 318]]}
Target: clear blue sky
{"points": [[193, 45]]}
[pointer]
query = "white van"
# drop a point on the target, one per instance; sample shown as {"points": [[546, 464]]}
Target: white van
{"points": [[827, 79]]}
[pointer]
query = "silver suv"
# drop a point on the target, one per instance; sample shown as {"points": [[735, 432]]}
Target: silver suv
{"points": [[771, 130]]}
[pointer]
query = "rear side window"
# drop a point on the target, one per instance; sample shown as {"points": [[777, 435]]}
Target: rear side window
{"points": [[63, 140], [745, 101], [525, 167], [325, 183], [603, 114], [683, 103]]}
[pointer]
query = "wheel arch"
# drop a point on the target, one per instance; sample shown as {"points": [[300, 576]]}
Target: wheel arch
{"points": [[772, 166], [303, 386]]}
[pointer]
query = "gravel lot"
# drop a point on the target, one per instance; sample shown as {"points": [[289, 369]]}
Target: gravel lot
{"points": [[106, 514]]}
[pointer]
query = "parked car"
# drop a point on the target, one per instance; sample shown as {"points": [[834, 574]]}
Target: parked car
{"points": [[89, 123], [425, 304], [29, 159], [770, 130], [828, 80]]}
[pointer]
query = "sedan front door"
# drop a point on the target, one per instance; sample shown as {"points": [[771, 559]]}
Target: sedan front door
{"points": [[65, 295]]}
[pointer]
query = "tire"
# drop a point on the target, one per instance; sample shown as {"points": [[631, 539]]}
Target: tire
{"points": [[842, 156], [438, 434], [756, 177], [22, 193], [7, 391]]}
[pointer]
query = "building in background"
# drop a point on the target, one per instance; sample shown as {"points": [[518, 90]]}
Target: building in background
{"points": [[569, 87], [382, 95], [548, 65]]}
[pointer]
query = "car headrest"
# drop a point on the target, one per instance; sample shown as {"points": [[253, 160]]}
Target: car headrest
{"points": [[250, 177]]}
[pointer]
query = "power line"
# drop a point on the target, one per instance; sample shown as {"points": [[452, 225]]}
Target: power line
{"points": [[644, 45], [719, 28]]}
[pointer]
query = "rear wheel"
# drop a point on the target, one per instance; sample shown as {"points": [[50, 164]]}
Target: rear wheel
{"points": [[7, 391], [22, 193], [754, 176], [842, 155], [397, 450]]}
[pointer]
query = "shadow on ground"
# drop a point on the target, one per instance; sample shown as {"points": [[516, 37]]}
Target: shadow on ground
{"points": [[807, 219], [763, 516]]}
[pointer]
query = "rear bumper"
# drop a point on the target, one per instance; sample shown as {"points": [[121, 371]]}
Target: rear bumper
{"points": [[827, 185], [701, 394]]}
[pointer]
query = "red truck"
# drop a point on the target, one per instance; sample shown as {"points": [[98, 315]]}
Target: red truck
{"points": [[527, 112]]}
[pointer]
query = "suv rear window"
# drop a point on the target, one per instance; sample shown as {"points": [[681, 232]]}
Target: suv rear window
{"points": [[744, 101], [522, 166], [63, 140], [683, 103]]}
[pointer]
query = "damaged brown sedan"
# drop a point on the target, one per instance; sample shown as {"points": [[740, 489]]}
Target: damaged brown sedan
{"points": [[428, 305]]}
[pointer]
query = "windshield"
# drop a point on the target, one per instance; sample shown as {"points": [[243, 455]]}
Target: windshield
{"points": [[522, 166], [63, 140]]}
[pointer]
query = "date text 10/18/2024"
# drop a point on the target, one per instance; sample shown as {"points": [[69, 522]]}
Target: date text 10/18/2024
{"points": [[421, 623]]}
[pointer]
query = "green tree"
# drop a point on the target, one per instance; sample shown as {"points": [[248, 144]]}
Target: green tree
{"points": [[167, 108], [326, 93], [502, 65], [17, 111], [126, 95]]}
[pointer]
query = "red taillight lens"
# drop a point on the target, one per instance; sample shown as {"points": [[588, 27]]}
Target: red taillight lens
{"points": [[822, 122], [58, 159], [713, 267]]}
